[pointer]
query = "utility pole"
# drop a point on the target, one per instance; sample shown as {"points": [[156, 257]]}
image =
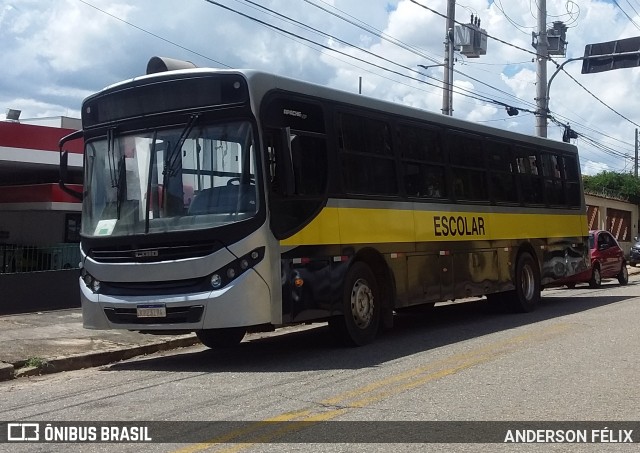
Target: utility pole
{"points": [[542, 48], [447, 96], [636, 161]]}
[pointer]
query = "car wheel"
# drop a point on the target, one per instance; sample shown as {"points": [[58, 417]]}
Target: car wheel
{"points": [[623, 276], [571, 285], [596, 278]]}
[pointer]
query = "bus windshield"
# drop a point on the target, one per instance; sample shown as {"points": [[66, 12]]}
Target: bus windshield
{"points": [[184, 178]]}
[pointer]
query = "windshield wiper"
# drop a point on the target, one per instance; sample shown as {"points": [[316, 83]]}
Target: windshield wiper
{"points": [[117, 170], [152, 159], [111, 157], [171, 158], [121, 189], [174, 154]]}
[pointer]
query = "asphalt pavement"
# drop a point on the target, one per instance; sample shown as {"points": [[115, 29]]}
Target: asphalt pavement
{"points": [[53, 341]]}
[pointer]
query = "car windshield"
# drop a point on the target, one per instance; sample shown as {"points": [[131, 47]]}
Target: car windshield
{"points": [[185, 178]]}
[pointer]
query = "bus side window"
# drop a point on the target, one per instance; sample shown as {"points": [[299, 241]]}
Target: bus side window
{"points": [[310, 164], [572, 180], [529, 181], [423, 161], [271, 140], [366, 156], [553, 186], [468, 167]]}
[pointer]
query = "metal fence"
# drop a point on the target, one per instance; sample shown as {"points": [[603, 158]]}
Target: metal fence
{"points": [[27, 258]]}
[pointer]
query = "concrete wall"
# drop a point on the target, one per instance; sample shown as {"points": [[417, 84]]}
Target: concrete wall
{"points": [[37, 228], [608, 203], [39, 291]]}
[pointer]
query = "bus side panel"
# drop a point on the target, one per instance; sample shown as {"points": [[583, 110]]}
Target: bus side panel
{"points": [[311, 288], [423, 279], [475, 272]]}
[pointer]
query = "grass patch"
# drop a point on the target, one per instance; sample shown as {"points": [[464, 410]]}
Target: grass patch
{"points": [[36, 362]]}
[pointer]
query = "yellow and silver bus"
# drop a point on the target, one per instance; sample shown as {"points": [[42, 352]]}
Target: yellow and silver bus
{"points": [[227, 201]]}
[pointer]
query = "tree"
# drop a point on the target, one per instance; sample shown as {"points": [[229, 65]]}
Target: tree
{"points": [[611, 183]]}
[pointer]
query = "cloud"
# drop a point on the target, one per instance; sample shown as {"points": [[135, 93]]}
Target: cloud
{"points": [[593, 168], [56, 53]]}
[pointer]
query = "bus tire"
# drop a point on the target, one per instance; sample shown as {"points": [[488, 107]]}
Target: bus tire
{"points": [[221, 338], [361, 302], [526, 296]]}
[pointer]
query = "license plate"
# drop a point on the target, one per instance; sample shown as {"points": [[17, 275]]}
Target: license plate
{"points": [[151, 311]]}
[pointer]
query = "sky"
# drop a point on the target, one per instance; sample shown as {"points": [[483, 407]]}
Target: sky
{"points": [[56, 53]]}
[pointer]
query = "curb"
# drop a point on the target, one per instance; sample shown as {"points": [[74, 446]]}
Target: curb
{"points": [[15, 370]]}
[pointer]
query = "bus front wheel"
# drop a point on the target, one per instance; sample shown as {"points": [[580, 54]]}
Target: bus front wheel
{"points": [[221, 338], [360, 318], [527, 283]]}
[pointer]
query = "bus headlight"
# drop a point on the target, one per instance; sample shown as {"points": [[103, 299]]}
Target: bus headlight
{"points": [[216, 281], [222, 277], [92, 283]]}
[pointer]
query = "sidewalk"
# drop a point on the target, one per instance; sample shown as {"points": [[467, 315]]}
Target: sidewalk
{"points": [[53, 341]]}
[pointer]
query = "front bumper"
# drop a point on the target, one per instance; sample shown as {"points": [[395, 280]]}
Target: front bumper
{"points": [[244, 302]]}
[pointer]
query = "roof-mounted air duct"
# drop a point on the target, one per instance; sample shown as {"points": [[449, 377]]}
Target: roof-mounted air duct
{"points": [[162, 64]]}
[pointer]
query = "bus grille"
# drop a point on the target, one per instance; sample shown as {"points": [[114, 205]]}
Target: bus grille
{"points": [[128, 254], [155, 288]]}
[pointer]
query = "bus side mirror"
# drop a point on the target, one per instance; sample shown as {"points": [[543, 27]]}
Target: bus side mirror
{"points": [[284, 163], [64, 164]]}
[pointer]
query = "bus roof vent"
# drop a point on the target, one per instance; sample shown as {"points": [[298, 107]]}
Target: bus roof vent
{"points": [[162, 64]]}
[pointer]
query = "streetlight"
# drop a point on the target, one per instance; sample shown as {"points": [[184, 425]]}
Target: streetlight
{"points": [[447, 107], [431, 65]]}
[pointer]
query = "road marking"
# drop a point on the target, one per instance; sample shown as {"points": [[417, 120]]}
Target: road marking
{"points": [[374, 392]]}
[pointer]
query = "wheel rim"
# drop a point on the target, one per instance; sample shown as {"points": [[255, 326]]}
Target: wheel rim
{"points": [[527, 283], [361, 304], [596, 276], [625, 273]]}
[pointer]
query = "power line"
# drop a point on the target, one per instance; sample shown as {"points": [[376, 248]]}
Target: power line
{"points": [[153, 34], [627, 15], [488, 35], [467, 93], [461, 91], [517, 26], [598, 99], [374, 31]]}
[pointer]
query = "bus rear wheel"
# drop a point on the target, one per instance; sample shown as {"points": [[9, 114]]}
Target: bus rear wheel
{"points": [[526, 296], [361, 301], [221, 338]]}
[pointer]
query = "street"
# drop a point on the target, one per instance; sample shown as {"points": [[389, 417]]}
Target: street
{"points": [[574, 359]]}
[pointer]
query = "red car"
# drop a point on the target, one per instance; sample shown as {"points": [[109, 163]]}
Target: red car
{"points": [[607, 261]]}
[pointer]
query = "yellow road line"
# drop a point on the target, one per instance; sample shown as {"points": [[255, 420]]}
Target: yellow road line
{"points": [[374, 392]]}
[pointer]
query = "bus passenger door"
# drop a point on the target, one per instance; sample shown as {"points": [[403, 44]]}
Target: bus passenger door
{"points": [[297, 172]]}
